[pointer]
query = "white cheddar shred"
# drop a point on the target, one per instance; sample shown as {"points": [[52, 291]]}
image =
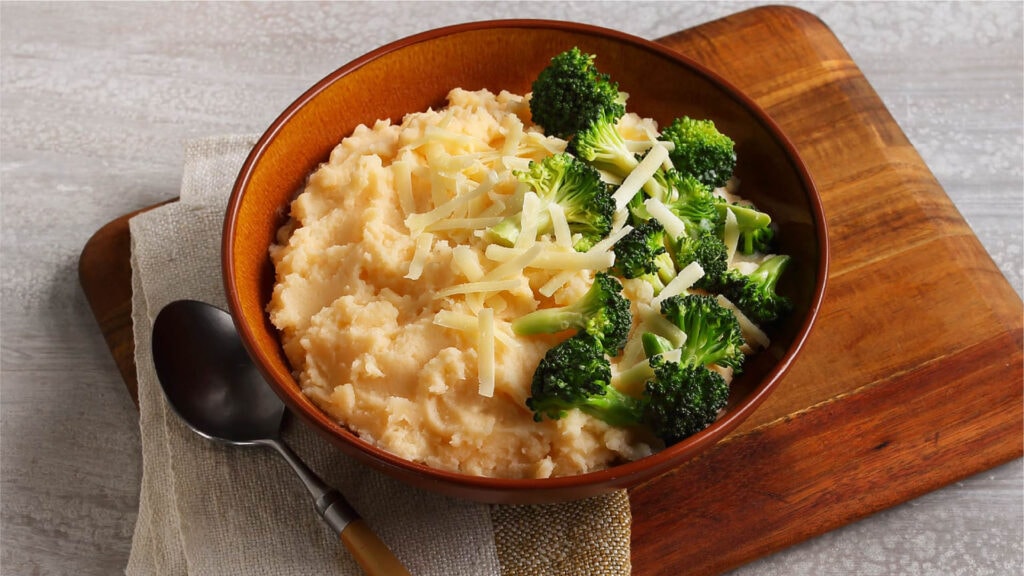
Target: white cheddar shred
{"points": [[485, 352], [668, 220], [402, 172], [528, 221], [731, 236], [478, 287], [681, 283], [751, 331], [467, 262], [424, 242], [639, 176], [563, 236], [419, 222]]}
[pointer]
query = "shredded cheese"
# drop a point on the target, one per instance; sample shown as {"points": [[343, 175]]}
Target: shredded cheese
{"points": [[631, 375], [556, 282], [528, 221], [419, 222], [470, 326], [513, 135], [424, 242], [485, 352], [643, 172], [669, 221], [619, 230], [514, 265], [449, 224], [467, 262], [640, 146], [731, 236], [563, 236], [402, 172], [553, 257], [478, 287], [651, 316], [681, 283], [751, 331]]}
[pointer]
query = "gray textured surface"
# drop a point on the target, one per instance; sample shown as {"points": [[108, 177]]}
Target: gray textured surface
{"points": [[97, 99]]}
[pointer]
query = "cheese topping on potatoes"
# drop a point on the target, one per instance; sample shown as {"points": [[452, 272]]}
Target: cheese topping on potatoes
{"points": [[395, 313]]}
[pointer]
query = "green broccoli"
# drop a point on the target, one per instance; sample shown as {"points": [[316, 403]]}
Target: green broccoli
{"points": [[681, 400], [601, 145], [603, 312], [757, 241], [642, 254], [577, 374], [696, 205], [748, 219], [701, 150], [576, 187], [755, 294], [712, 332], [755, 227], [570, 94], [709, 251]]}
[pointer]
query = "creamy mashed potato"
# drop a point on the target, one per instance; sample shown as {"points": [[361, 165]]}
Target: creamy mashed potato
{"points": [[395, 315]]}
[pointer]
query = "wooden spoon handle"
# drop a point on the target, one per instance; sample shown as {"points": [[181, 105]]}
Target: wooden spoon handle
{"points": [[370, 552]]}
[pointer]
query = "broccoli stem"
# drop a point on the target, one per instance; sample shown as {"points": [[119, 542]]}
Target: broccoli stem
{"points": [[747, 219], [768, 272], [614, 408], [549, 321]]}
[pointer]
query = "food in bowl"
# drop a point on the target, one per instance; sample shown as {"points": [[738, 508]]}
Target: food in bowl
{"points": [[507, 288]]}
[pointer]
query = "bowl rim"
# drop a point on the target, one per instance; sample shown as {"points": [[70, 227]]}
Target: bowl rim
{"points": [[648, 466]]}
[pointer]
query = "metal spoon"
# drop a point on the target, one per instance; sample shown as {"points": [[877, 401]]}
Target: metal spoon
{"points": [[212, 384]]}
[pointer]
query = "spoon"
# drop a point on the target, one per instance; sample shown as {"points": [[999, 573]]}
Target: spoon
{"points": [[212, 384]]}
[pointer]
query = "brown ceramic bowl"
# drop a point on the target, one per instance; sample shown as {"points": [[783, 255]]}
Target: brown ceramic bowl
{"points": [[416, 73]]}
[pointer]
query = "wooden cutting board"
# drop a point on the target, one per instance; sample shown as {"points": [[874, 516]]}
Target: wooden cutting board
{"points": [[912, 377]]}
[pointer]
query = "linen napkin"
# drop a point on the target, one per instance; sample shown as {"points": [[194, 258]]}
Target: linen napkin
{"points": [[207, 509]]}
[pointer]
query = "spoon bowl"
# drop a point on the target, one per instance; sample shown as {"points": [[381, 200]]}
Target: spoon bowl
{"points": [[212, 384], [208, 377]]}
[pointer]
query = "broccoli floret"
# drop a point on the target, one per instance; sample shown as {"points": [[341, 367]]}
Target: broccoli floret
{"points": [[713, 334], [577, 188], [577, 374], [758, 240], [755, 294], [601, 145], [696, 205], [748, 218], [701, 150], [681, 400], [570, 94], [709, 251], [603, 312], [755, 227], [642, 254]]}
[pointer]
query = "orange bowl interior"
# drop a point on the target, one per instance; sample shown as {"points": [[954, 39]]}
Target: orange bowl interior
{"points": [[416, 73]]}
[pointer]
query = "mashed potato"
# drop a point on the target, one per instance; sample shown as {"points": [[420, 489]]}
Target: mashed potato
{"points": [[395, 315]]}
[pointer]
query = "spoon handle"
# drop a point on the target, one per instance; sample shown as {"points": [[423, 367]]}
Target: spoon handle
{"points": [[369, 551]]}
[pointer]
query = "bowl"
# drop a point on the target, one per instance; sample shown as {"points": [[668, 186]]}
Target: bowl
{"points": [[416, 73]]}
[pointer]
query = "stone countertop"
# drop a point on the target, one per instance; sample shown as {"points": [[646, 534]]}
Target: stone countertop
{"points": [[96, 101]]}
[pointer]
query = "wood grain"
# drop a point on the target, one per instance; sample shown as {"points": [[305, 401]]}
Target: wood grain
{"points": [[910, 380]]}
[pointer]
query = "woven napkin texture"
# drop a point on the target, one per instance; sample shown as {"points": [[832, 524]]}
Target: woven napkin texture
{"points": [[209, 509]]}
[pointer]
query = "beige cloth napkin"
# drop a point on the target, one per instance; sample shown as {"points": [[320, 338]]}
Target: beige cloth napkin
{"points": [[207, 509]]}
